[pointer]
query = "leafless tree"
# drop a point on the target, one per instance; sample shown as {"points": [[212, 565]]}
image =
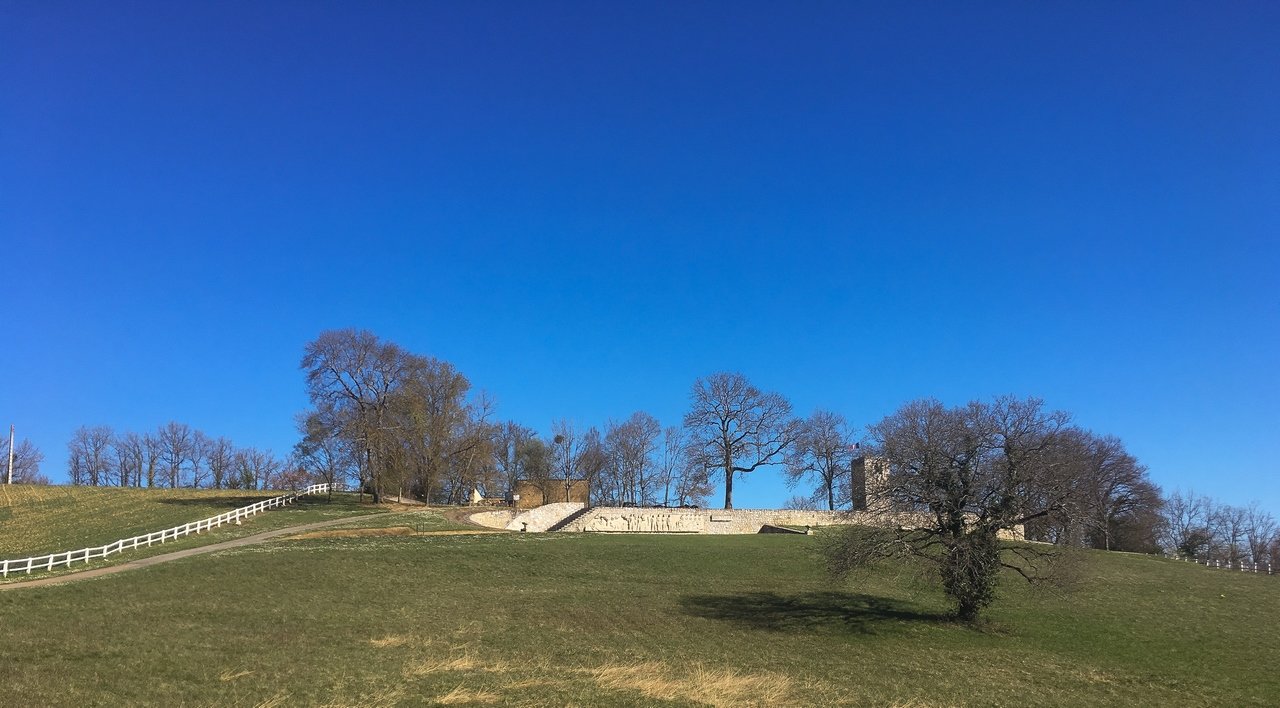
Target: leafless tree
{"points": [[1260, 530], [823, 452], [197, 459], [255, 469], [356, 378], [153, 450], [511, 452], [89, 455], [220, 454], [1187, 517], [176, 446], [671, 463], [130, 458], [964, 474], [321, 451], [693, 486], [1229, 530], [735, 428], [630, 447], [801, 502], [26, 461]]}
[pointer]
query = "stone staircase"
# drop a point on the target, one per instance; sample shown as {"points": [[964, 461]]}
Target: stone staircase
{"points": [[547, 516]]}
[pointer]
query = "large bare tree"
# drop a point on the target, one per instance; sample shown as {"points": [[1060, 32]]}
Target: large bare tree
{"points": [[964, 474], [356, 377], [735, 428]]}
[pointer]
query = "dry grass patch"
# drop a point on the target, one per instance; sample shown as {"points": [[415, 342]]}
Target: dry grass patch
{"points": [[714, 687], [229, 675], [461, 662], [462, 695], [391, 640]]}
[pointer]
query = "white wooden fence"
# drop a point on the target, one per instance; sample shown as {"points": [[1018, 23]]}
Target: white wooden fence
{"points": [[1218, 563], [66, 558]]}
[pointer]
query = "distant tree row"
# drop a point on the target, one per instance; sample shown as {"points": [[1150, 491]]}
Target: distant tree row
{"points": [[173, 455], [1201, 527]]}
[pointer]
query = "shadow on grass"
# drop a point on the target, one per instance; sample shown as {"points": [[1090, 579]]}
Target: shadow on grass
{"points": [[770, 611]]}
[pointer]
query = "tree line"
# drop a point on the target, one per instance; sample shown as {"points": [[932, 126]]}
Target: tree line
{"points": [[395, 422], [173, 455]]}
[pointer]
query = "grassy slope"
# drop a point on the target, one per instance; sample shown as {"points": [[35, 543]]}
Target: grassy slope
{"points": [[38, 520], [46, 519], [565, 619]]}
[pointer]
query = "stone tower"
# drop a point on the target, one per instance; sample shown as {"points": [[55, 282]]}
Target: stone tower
{"points": [[869, 476]]}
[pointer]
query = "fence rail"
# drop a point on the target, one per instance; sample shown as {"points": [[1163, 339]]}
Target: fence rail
{"points": [[84, 555], [1217, 563]]}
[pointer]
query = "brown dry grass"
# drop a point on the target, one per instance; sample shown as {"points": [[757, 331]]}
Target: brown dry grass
{"points": [[714, 687], [465, 695], [459, 662]]}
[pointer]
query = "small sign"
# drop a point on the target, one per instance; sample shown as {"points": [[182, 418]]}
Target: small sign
{"points": [[721, 518]]}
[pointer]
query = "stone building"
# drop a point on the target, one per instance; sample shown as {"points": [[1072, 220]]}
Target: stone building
{"points": [[529, 493]]}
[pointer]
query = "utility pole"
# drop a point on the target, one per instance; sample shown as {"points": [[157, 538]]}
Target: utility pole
{"points": [[10, 455]]}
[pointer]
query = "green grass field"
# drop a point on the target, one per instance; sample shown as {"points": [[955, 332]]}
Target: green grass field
{"points": [[574, 619]]}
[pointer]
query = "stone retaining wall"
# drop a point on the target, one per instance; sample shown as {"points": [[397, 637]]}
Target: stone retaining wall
{"points": [[493, 519], [730, 521], [708, 521]]}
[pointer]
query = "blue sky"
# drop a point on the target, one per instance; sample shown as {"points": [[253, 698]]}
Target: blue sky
{"points": [[586, 206]]}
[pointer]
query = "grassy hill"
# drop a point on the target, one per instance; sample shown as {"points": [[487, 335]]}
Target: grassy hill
{"points": [[568, 619], [35, 520]]}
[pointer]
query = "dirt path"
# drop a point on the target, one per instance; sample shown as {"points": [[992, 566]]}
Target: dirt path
{"points": [[166, 557]]}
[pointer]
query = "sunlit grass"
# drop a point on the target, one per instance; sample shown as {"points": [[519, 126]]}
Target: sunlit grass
{"points": [[566, 619]]}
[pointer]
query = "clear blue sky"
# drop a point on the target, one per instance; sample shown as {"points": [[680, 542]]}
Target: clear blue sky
{"points": [[585, 206]]}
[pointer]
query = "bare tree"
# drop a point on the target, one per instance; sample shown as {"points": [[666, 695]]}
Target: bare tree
{"points": [[255, 469], [1187, 522], [197, 457], [693, 486], [322, 451], [356, 378], [220, 453], [176, 446], [1229, 523], [510, 449], [153, 449], [1260, 530], [735, 428], [89, 455], [593, 459], [130, 458], [630, 447], [26, 461], [823, 452], [964, 475], [671, 462]]}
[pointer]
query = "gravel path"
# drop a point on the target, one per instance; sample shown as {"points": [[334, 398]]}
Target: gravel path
{"points": [[166, 557]]}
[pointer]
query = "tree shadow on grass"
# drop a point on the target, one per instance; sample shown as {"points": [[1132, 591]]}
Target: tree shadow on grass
{"points": [[775, 612]]}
